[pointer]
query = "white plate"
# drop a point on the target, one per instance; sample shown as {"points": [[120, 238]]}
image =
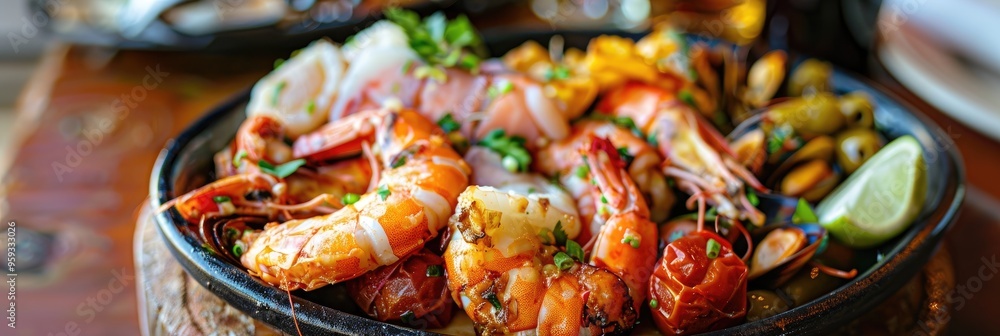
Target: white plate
{"points": [[967, 92]]}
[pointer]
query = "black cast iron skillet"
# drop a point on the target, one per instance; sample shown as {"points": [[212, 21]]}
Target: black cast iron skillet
{"points": [[186, 163]]}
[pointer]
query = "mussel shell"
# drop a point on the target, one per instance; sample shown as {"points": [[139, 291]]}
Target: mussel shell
{"points": [[213, 233], [819, 148], [785, 269]]}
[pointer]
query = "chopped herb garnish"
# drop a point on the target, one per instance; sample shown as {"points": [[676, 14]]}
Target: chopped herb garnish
{"points": [[559, 72], [277, 92], [238, 249], [574, 250], [623, 152], [625, 122], [383, 192], [582, 171], [399, 161], [545, 236], [652, 140], [440, 41], [434, 271], [559, 234], [563, 261], [278, 62], [448, 123], [311, 107], [350, 198], [752, 197], [508, 146], [777, 139], [283, 170], [238, 159], [632, 240], [687, 98], [510, 164], [232, 233], [654, 304], [407, 66], [804, 213], [499, 88], [427, 71], [712, 248], [221, 199], [492, 298], [531, 190], [604, 199]]}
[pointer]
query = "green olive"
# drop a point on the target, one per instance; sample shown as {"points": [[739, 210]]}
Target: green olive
{"points": [[764, 303], [812, 76], [810, 116], [809, 284], [855, 146], [858, 110]]}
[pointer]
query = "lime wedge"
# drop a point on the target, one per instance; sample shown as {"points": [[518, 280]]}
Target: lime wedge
{"points": [[881, 198]]}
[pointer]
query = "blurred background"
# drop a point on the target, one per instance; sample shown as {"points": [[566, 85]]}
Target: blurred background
{"points": [[69, 66]]}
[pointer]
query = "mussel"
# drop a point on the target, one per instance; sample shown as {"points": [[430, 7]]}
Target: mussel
{"points": [[227, 236], [782, 252], [810, 77]]}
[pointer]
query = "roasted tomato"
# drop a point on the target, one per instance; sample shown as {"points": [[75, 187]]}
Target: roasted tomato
{"points": [[698, 286], [413, 292]]}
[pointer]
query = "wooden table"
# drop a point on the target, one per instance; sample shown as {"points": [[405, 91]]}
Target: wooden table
{"points": [[79, 203]]}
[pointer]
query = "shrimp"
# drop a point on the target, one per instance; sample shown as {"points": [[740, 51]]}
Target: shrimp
{"points": [[697, 156], [301, 91], [243, 194], [505, 278], [627, 242], [259, 138], [419, 185], [563, 159]]}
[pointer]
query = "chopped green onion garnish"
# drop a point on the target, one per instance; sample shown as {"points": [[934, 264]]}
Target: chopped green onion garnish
{"points": [[752, 197], [399, 161], [384, 192], [687, 98], [221, 199], [654, 304], [632, 240], [434, 270], [311, 107], [492, 298], [510, 163], [283, 170], [350, 198], [559, 72], [508, 146], [238, 249], [448, 123], [277, 93], [499, 88], [804, 213], [238, 159], [559, 234], [777, 139], [604, 199], [232, 233], [545, 236], [278, 62], [563, 261], [623, 152], [574, 250], [582, 171], [531, 190], [712, 248], [652, 140]]}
